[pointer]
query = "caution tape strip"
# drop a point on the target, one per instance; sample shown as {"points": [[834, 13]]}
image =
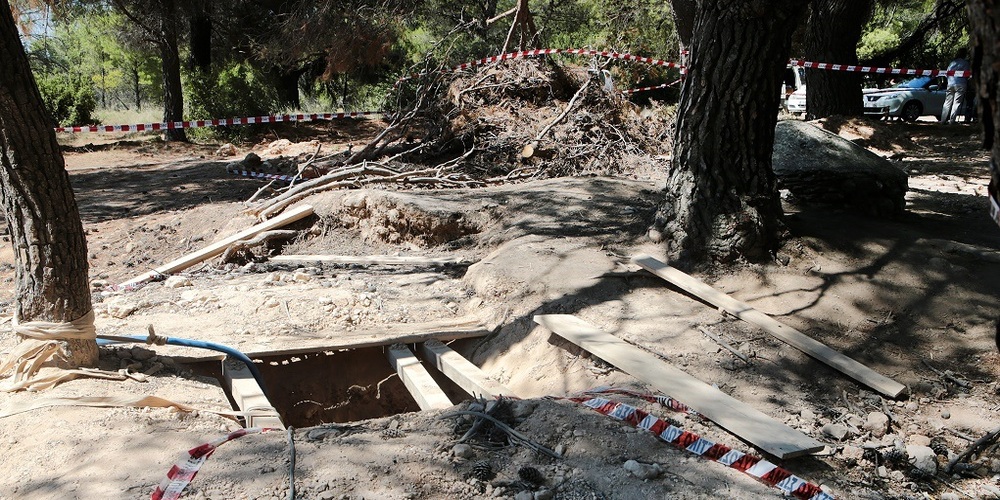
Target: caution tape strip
{"points": [[218, 122], [261, 175], [755, 466], [184, 471], [878, 70], [655, 87]]}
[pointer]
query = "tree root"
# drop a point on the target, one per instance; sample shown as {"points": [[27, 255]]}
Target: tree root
{"points": [[260, 239]]}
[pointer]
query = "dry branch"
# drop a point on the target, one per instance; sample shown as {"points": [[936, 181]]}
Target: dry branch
{"points": [[260, 239]]}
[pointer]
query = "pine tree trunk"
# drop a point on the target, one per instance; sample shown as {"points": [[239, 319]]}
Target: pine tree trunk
{"points": [[722, 201], [833, 33], [50, 250], [170, 60], [984, 21]]}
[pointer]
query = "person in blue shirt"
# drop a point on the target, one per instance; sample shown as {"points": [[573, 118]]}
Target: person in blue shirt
{"points": [[957, 86]]}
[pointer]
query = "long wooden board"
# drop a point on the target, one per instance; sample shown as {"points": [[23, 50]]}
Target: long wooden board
{"points": [[783, 332], [417, 380], [401, 333], [368, 259], [467, 375], [249, 396], [733, 415], [218, 247]]}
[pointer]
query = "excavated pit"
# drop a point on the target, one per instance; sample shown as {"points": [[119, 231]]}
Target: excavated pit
{"points": [[335, 386]]}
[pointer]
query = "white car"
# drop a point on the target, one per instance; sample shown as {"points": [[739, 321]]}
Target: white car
{"points": [[909, 100], [796, 102]]}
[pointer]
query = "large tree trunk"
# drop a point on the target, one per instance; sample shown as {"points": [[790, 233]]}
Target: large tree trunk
{"points": [[984, 19], [832, 36], [50, 250], [201, 39], [722, 202], [173, 98]]}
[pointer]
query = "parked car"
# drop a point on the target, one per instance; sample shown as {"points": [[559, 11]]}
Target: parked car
{"points": [[909, 99], [793, 90]]}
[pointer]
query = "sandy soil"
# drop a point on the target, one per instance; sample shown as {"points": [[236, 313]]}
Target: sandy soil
{"points": [[908, 297]]}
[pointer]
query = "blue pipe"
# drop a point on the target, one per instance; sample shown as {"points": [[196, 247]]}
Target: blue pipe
{"points": [[200, 344]]}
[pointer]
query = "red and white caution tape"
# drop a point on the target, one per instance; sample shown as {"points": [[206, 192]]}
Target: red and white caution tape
{"points": [[218, 122], [655, 87], [182, 473], [882, 71], [756, 467], [261, 175]]}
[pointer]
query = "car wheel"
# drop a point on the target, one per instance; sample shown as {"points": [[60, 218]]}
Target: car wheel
{"points": [[911, 111]]}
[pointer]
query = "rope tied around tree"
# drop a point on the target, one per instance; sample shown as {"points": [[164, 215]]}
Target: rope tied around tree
{"points": [[41, 349]]}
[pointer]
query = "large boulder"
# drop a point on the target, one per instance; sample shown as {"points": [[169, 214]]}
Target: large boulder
{"points": [[818, 167]]}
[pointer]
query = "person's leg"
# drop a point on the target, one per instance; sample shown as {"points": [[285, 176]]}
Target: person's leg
{"points": [[957, 103], [949, 100]]}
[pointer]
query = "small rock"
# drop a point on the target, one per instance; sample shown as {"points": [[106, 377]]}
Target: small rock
{"points": [[644, 471], [545, 494], [882, 471], [950, 496], [852, 453], [226, 149], [462, 450], [302, 277], [945, 415], [579, 432], [560, 450], [121, 309], [807, 415], [918, 440], [835, 431], [524, 495], [877, 423], [98, 284], [897, 476], [853, 420], [177, 282], [142, 354], [923, 458]]}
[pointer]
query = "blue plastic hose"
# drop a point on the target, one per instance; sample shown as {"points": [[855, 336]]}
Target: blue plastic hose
{"points": [[200, 344]]}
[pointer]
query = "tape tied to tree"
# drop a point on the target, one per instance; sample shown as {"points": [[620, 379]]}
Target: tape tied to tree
{"points": [[80, 328], [38, 363]]}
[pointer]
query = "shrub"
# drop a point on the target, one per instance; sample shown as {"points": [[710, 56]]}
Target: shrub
{"points": [[70, 101]]}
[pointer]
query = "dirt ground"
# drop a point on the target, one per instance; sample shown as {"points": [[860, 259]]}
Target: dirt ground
{"points": [[913, 298]]}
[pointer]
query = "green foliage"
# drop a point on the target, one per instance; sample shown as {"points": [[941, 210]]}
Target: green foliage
{"points": [[238, 89], [70, 101]]}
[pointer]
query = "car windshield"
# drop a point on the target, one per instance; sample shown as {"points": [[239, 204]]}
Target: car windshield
{"points": [[916, 83]]}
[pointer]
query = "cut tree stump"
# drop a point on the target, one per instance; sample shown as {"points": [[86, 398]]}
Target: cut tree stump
{"points": [[731, 414], [781, 331]]}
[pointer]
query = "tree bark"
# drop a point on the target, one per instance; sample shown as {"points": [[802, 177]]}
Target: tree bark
{"points": [[722, 201], [173, 98], [833, 33], [50, 250], [200, 43], [984, 20]]}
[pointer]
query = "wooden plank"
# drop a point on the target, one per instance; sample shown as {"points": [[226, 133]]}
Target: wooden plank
{"points": [[249, 396], [402, 333], [733, 415], [783, 332], [417, 380], [218, 247], [467, 375], [367, 259]]}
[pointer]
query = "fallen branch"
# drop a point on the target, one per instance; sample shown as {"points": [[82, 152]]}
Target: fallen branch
{"points": [[723, 343], [980, 444], [947, 376], [565, 112], [305, 165], [259, 191]]}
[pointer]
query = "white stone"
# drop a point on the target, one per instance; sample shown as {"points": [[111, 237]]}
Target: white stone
{"points": [[302, 277], [644, 471], [462, 450], [877, 423], [177, 282], [923, 458], [835, 431]]}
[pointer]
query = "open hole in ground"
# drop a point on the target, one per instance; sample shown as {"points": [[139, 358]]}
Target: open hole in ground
{"points": [[320, 387]]}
